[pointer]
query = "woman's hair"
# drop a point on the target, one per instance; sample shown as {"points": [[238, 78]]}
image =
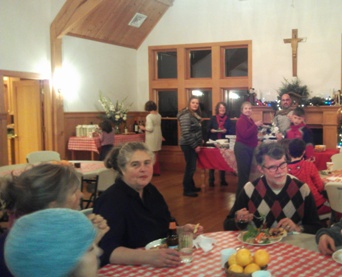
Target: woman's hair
{"points": [[272, 149], [218, 106], [150, 106], [106, 126], [36, 188], [245, 104], [199, 112], [118, 157]]}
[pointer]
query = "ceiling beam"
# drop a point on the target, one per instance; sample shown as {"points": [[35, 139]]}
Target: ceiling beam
{"points": [[71, 14]]}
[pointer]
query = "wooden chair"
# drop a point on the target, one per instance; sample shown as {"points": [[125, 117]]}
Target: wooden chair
{"points": [[42, 156], [337, 160]]}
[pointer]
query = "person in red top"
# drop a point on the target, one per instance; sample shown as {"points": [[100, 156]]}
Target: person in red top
{"points": [[246, 141], [307, 172], [298, 129]]}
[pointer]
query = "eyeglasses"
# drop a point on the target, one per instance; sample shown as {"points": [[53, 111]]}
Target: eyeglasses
{"points": [[274, 168]]}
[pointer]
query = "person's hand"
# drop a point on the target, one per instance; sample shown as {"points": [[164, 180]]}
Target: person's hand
{"points": [[326, 245], [279, 136], [164, 257], [212, 130], [194, 228], [142, 127], [258, 123], [288, 225], [100, 224], [197, 149], [243, 214]]}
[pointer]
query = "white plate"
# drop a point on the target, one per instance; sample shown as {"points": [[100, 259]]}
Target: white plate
{"points": [[337, 256], [335, 179], [218, 131], [155, 243], [240, 238]]}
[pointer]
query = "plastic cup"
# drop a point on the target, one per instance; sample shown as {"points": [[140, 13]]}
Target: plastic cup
{"points": [[225, 254], [330, 165]]}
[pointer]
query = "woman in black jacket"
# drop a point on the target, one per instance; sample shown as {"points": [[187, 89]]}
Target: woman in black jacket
{"points": [[190, 142]]}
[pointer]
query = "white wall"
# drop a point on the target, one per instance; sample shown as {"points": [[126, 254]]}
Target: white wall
{"points": [[118, 71], [266, 23]]}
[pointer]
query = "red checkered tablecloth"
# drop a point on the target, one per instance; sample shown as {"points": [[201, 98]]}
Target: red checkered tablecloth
{"points": [[286, 261], [94, 144]]}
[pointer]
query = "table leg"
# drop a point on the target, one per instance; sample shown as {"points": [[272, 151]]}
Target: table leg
{"points": [[203, 178]]}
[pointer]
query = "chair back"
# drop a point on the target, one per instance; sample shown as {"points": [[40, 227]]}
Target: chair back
{"points": [[334, 191], [87, 211], [42, 156], [337, 160], [106, 179]]}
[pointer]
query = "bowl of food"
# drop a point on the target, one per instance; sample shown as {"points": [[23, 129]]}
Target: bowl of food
{"points": [[320, 148], [244, 263]]}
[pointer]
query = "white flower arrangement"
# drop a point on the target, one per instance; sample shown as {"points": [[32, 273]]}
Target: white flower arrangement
{"points": [[116, 113]]}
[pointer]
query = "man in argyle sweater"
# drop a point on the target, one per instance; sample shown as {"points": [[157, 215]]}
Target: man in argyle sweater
{"points": [[283, 200]]}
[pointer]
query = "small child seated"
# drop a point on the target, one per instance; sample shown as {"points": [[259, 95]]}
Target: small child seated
{"points": [[307, 172], [107, 138], [298, 129]]}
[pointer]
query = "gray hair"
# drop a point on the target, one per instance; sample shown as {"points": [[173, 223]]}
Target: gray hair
{"points": [[118, 157], [35, 189], [272, 149]]}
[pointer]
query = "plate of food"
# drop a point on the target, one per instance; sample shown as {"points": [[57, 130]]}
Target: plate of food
{"points": [[156, 244], [256, 236], [335, 179], [337, 256]]}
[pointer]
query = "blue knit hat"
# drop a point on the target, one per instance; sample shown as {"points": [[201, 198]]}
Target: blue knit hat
{"points": [[49, 243]]}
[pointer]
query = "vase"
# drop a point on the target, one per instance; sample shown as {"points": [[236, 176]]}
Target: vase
{"points": [[117, 128]]}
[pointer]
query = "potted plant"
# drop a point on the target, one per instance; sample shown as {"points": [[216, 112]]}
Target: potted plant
{"points": [[299, 93]]}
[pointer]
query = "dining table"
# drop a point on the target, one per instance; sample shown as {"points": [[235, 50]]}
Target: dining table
{"points": [[322, 157], [295, 255], [87, 168], [93, 144]]}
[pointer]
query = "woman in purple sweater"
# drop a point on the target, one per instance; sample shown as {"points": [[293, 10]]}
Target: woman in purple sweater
{"points": [[246, 141]]}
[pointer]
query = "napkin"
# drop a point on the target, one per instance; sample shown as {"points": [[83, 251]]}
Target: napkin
{"points": [[204, 242]]}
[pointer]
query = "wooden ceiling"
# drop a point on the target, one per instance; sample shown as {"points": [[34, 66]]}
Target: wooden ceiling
{"points": [[107, 20]]}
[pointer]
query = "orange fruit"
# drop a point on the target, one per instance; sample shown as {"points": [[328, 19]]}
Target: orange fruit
{"points": [[236, 268], [243, 257], [261, 257], [251, 268], [232, 259]]}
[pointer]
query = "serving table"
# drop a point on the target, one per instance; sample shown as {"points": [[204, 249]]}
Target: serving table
{"points": [[295, 256], [93, 144], [321, 158]]}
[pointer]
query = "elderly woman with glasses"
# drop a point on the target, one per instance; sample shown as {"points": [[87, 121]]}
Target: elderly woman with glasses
{"points": [[276, 197]]}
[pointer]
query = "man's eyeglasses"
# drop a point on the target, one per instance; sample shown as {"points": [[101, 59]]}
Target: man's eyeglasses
{"points": [[274, 168]]}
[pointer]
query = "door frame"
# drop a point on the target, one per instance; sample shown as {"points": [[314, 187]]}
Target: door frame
{"points": [[49, 118]]}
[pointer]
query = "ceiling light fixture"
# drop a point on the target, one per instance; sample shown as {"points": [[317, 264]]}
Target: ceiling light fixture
{"points": [[137, 20]]}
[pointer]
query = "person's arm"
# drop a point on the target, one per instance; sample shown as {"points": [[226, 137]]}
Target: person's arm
{"points": [[311, 223], [185, 125], [316, 179], [149, 125], [158, 258], [328, 238], [240, 203]]}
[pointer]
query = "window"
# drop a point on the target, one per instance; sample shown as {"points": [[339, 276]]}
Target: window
{"points": [[213, 71], [167, 64], [200, 63]]}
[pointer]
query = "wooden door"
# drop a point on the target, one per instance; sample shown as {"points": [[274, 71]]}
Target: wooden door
{"points": [[27, 106]]}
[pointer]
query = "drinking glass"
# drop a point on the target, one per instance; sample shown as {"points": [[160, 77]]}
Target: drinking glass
{"points": [[241, 223], [185, 245]]}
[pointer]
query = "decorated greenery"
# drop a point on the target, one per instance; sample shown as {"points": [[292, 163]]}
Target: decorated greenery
{"points": [[299, 93]]}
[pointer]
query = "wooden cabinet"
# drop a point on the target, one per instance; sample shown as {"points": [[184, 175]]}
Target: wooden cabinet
{"points": [[325, 117]]}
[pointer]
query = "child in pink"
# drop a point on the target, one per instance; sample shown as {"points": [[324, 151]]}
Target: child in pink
{"points": [[307, 172], [106, 137]]}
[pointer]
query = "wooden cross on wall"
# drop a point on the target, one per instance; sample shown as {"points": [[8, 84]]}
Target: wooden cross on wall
{"points": [[294, 45]]}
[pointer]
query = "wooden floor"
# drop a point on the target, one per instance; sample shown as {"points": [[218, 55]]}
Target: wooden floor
{"points": [[209, 209]]}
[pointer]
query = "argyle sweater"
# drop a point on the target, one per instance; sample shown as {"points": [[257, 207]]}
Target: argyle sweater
{"points": [[295, 201]]}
